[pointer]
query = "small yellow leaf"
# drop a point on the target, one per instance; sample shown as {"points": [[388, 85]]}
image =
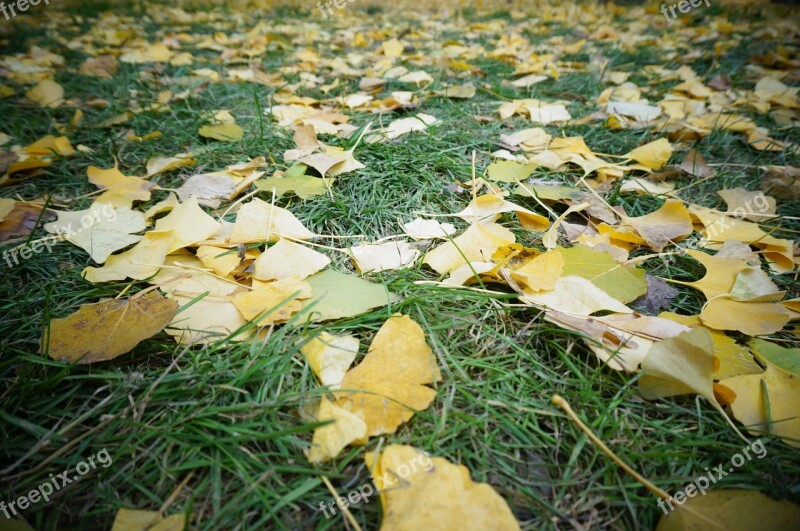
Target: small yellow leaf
{"points": [[331, 439], [330, 356], [226, 132], [47, 93], [653, 155]]}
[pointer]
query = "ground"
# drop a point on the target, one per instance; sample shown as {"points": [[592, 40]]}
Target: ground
{"points": [[224, 427]]}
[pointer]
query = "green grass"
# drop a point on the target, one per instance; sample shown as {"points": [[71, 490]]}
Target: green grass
{"points": [[233, 420]]}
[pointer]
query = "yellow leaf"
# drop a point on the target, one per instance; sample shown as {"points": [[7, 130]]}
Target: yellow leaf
{"points": [[120, 190], [383, 256], [575, 296], [731, 510], [721, 273], [138, 520], [541, 273], [390, 384], [104, 330], [330, 356], [156, 165], [477, 244], [222, 261], [287, 259], [47, 93], [624, 283], [259, 221], [775, 412], [100, 229], [653, 155], [751, 318], [668, 224], [273, 302], [331, 439], [141, 261], [734, 359], [416, 490], [226, 132]]}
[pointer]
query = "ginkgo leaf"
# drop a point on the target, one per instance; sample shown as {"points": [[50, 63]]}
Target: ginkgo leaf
{"points": [[330, 357], [753, 284], [383, 256], [734, 359], [188, 223], [139, 262], [105, 330], [336, 295], [785, 359], [287, 259], [751, 318], [768, 403], [222, 261], [622, 341], [225, 132], [331, 439], [668, 224], [272, 302], [653, 155], [303, 186], [477, 244], [416, 490], [680, 365], [539, 274], [550, 237], [507, 171], [488, 207], [721, 274], [139, 520], [258, 221], [732, 510], [102, 234], [47, 93], [575, 296], [120, 190], [156, 165], [624, 283], [422, 229], [390, 383], [206, 319], [754, 206]]}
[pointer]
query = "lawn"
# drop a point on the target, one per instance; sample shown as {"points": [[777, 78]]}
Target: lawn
{"points": [[218, 430]]}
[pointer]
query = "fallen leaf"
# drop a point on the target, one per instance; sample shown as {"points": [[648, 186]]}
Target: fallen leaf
{"points": [[768, 403], [383, 256], [624, 283], [97, 232], [732, 510], [575, 296], [47, 93], [653, 155], [417, 489], [390, 383], [785, 359], [336, 295], [330, 357], [105, 330], [332, 438], [138, 520], [287, 260]]}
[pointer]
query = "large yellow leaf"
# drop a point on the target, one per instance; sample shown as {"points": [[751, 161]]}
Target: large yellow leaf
{"points": [[477, 244], [624, 283], [731, 510], [421, 492], [259, 221], [104, 330], [287, 259], [668, 224], [776, 411], [751, 318], [120, 190], [390, 384], [575, 296]]}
